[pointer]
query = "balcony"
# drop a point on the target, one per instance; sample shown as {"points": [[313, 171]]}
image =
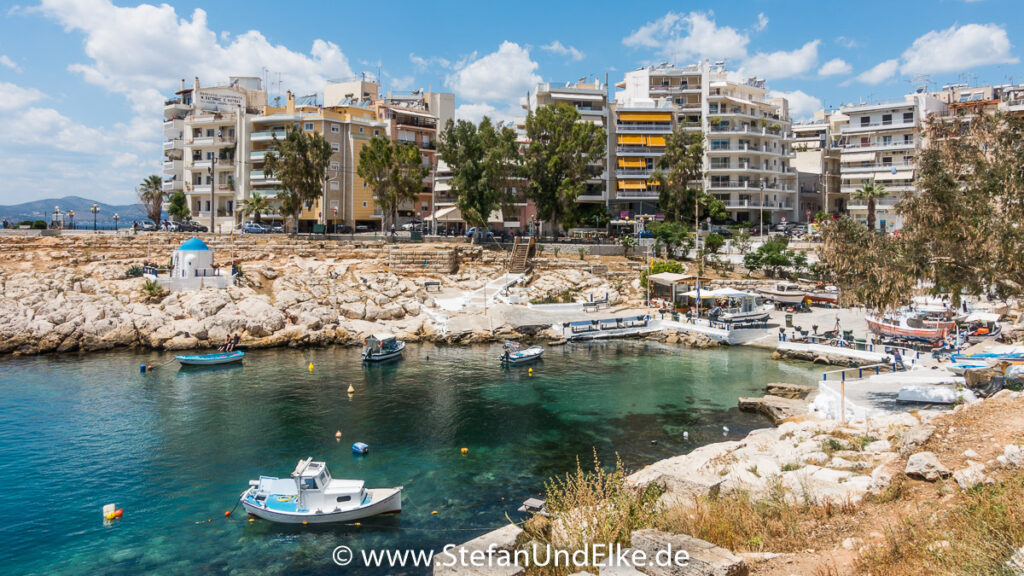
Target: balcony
{"points": [[174, 108], [756, 205], [173, 128], [211, 141], [875, 168], [749, 185], [268, 135], [636, 194], [172, 186], [873, 126], [214, 119], [653, 127], [175, 144], [173, 167], [1012, 106], [258, 156], [590, 111], [679, 89], [634, 172], [746, 149], [755, 130], [639, 151], [898, 145], [258, 177]]}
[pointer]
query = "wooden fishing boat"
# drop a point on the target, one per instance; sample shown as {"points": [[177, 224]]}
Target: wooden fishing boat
{"points": [[381, 347], [513, 355], [910, 326], [785, 293], [211, 359]]}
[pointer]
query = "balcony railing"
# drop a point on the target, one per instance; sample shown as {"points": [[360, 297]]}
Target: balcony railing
{"points": [[172, 186], [175, 144], [644, 150], [644, 127], [890, 124], [895, 144], [204, 141], [637, 194], [750, 185], [634, 172], [172, 166], [754, 205], [746, 130], [268, 135]]}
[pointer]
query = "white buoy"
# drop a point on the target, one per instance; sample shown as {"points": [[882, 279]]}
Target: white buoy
{"points": [[725, 430], [686, 435]]}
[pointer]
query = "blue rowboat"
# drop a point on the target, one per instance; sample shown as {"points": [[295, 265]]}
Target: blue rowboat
{"points": [[211, 359]]}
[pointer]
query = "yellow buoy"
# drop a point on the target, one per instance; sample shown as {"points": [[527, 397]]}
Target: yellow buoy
{"points": [[530, 371], [359, 524], [304, 522], [434, 512], [337, 434], [251, 520], [310, 367], [465, 450], [351, 389]]}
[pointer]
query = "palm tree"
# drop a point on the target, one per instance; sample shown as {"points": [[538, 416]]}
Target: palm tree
{"points": [[256, 205], [151, 194], [870, 192]]}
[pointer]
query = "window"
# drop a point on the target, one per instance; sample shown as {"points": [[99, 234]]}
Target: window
{"points": [[722, 163], [886, 119], [308, 126], [375, 132], [360, 129], [865, 120], [886, 140], [364, 203], [334, 185], [344, 498], [908, 117], [335, 128], [335, 147], [887, 161], [309, 483], [721, 144], [908, 138], [335, 166], [209, 133]]}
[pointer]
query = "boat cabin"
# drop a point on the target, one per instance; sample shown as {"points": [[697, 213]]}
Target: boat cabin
{"points": [[318, 491], [788, 288], [382, 342]]}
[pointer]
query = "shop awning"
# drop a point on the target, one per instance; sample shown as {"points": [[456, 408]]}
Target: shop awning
{"points": [[448, 214], [669, 277]]}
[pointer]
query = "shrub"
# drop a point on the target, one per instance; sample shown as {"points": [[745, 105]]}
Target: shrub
{"points": [[714, 242], [39, 225], [583, 251], [133, 271], [153, 290]]}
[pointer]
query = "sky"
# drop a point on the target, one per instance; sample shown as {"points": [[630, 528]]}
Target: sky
{"points": [[82, 82]]}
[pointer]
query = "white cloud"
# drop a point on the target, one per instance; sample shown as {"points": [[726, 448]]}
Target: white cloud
{"points": [[687, 37], [124, 160], [570, 51], [474, 112], [782, 64], [501, 76], [762, 22], [14, 97], [424, 63], [401, 83], [958, 48], [880, 72], [834, 67], [801, 105], [846, 42], [6, 62], [46, 127]]}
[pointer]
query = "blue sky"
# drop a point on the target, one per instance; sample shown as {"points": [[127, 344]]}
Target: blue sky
{"points": [[82, 81]]}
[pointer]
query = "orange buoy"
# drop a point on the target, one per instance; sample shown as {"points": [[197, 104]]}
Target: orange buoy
{"points": [[251, 520], [227, 513], [465, 450], [337, 434], [118, 513]]}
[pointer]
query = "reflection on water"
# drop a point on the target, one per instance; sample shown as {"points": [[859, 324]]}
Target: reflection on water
{"points": [[175, 447]]}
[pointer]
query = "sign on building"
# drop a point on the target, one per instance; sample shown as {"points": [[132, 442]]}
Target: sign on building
{"points": [[219, 101]]}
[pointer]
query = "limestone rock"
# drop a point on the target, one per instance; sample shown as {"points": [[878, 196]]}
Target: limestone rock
{"points": [[775, 408], [1013, 454], [915, 438], [705, 558], [969, 477], [792, 391], [926, 466]]}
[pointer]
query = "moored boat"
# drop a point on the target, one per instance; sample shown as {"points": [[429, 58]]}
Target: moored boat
{"points": [[785, 293], [311, 495], [909, 326], [211, 359], [828, 295], [512, 354], [738, 307], [381, 347]]}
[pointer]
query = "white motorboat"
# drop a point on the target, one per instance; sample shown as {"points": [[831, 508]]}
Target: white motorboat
{"points": [[312, 496], [512, 354], [738, 307], [381, 347], [786, 293], [210, 359]]}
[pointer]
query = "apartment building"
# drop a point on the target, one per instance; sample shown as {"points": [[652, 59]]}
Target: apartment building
{"points": [[747, 139], [880, 144], [207, 129], [348, 126], [817, 163], [417, 118]]}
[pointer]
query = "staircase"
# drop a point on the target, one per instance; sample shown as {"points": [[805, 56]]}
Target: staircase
{"points": [[518, 261]]}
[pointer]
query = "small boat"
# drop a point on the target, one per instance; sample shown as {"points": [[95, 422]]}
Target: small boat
{"points": [[829, 295], [982, 324], [513, 355], [786, 293], [211, 359], [738, 307], [910, 326], [312, 496], [381, 347]]}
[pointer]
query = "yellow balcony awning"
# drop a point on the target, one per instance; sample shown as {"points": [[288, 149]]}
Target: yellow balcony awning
{"points": [[645, 117], [637, 139], [655, 140], [632, 163], [632, 184]]}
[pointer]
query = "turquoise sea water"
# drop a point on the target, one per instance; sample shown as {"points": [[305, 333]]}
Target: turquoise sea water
{"points": [[175, 447]]}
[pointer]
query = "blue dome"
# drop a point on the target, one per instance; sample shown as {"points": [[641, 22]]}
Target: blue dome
{"points": [[193, 244]]}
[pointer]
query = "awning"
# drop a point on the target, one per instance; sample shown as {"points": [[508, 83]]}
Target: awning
{"points": [[907, 175], [669, 277], [495, 217], [859, 157], [626, 162], [635, 139], [594, 97], [632, 184], [645, 117], [421, 114], [449, 214]]}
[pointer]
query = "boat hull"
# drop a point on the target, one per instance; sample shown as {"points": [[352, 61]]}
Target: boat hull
{"points": [[211, 359], [823, 298], [927, 333], [385, 356], [384, 501], [529, 355], [785, 297]]}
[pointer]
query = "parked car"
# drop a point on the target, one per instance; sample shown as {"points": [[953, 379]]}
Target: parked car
{"points": [[254, 228], [343, 229], [479, 233], [414, 225], [190, 226], [147, 226], [362, 228], [277, 229]]}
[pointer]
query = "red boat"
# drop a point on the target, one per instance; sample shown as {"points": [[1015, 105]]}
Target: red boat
{"points": [[911, 327]]}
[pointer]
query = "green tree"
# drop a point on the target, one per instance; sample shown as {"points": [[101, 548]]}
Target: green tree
{"points": [[870, 192], [562, 155], [394, 171], [483, 160], [628, 243], [256, 206], [300, 162], [742, 241], [151, 195], [679, 175], [178, 207], [674, 235], [772, 257], [290, 207], [870, 269], [714, 242]]}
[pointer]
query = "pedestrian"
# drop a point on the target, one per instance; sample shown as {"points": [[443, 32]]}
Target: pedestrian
{"points": [[898, 360], [135, 226], [392, 228]]}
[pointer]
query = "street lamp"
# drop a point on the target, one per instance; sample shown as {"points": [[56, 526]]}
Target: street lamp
{"points": [[95, 210], [71, 219], [116, 218], [56, 215], [761, 209], [213, 198]]}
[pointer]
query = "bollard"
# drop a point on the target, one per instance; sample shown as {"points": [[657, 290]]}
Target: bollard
{"points": [[843, 375], [860, 373], [877, 369]]}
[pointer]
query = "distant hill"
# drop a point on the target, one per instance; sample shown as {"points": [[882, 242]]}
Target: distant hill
{"points": [[43, 210]]}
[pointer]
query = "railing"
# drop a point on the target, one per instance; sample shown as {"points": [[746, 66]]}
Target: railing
{"points": [[899, 144], [643, 127], [750, 185], [747, 204], [638, 194], [173, 144], [889, 124], [268, 135], [644, 172], [640, 150], [211, 140], [746, 130]]}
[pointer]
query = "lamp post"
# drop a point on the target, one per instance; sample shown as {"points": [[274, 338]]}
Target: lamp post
{"points": [[116, 218], [53, 219], [71, 219], [760, 208], [213, 198], [95, 210]]}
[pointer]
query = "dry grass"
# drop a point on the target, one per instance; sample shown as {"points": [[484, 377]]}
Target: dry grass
{"points": [[742, 523], [977, 534]]}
